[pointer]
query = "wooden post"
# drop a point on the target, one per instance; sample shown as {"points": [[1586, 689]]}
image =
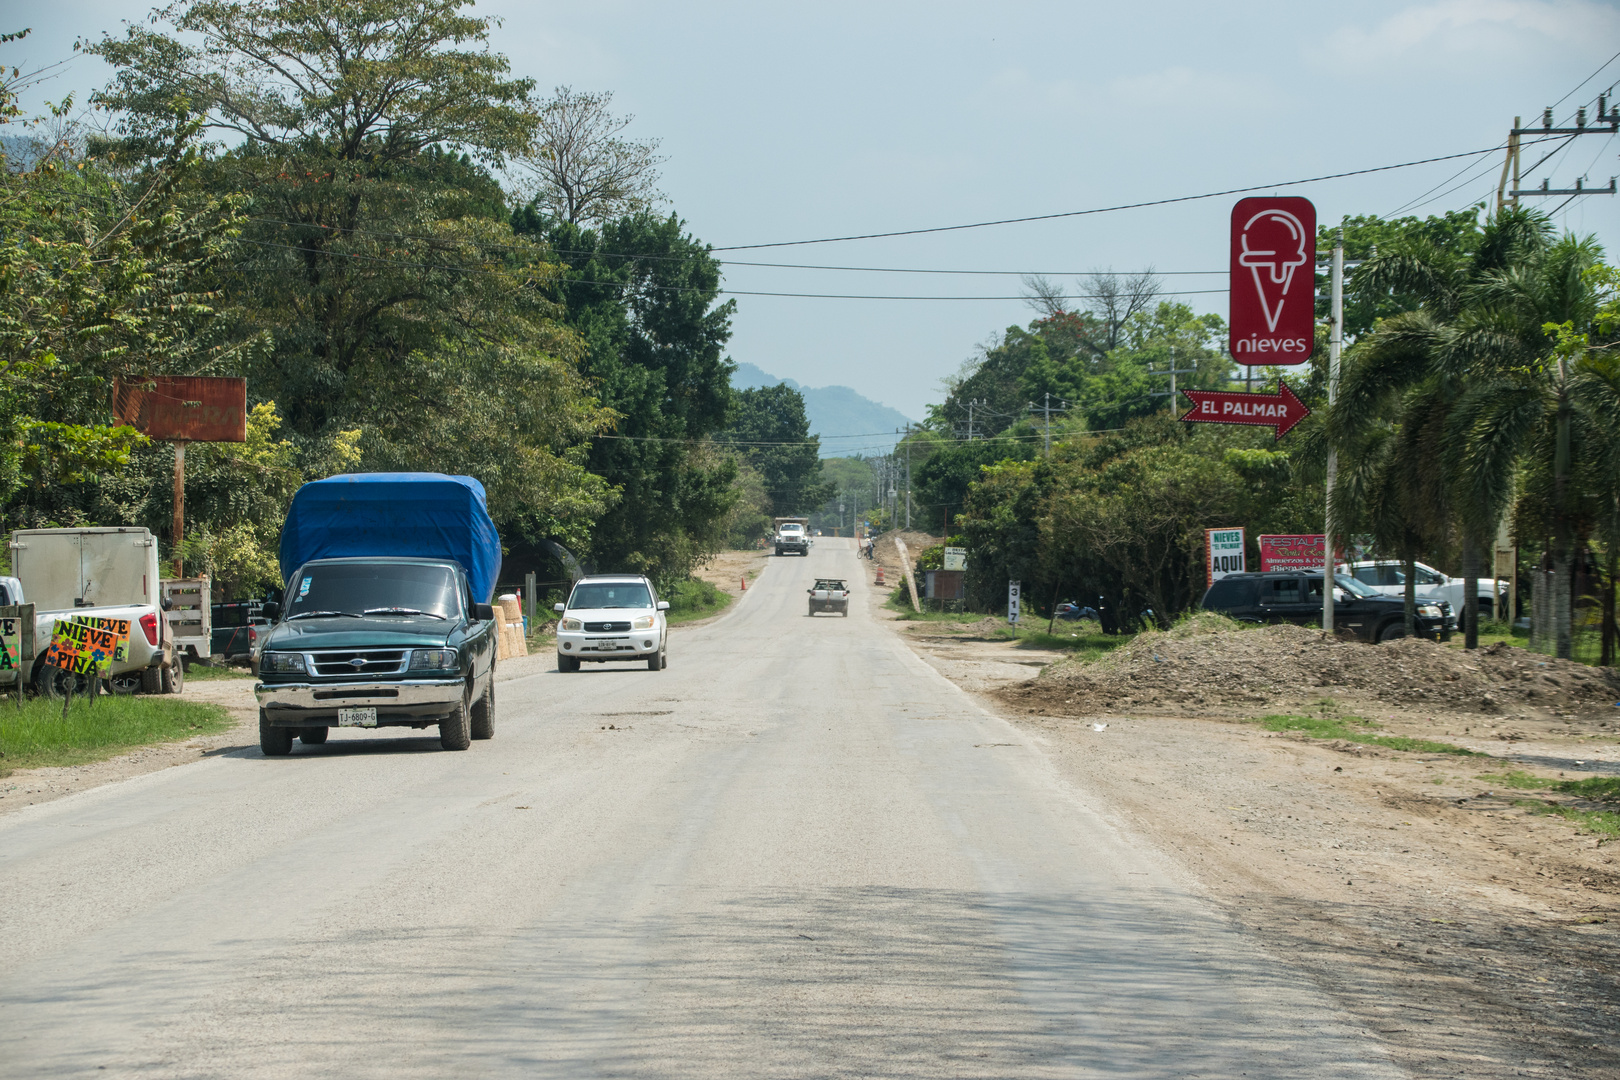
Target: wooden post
{"points": [[178, 534]]}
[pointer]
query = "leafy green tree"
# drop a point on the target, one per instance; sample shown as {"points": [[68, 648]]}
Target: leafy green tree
{"points": [[770, 431], [640, 295], [379, 256]]}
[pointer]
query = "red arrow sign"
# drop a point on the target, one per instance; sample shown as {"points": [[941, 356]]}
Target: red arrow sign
{"points": [[1281, 410]]}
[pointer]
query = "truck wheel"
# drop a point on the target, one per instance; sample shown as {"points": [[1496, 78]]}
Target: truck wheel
{"points": [[151, 681], [174, 677], [455, 730], [127, 683], [1392, 631], [483, 714], [567, 663], [53, 683], [313, 736], [274, 741], [655, 662]]}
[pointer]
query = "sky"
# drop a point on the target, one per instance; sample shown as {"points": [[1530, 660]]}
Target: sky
{"points": [[792, 122]]}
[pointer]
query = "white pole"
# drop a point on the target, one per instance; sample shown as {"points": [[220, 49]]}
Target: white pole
{"points": [[1335, 344]]}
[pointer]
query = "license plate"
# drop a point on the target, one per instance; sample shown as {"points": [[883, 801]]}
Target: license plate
{"points": [[612, 644], [357, 718]]}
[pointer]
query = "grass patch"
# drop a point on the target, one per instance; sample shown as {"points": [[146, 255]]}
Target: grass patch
{"points": [[37, 735], [1597, 788], [1602, 822], [695, 598], [215, 673], [1320, 727]]}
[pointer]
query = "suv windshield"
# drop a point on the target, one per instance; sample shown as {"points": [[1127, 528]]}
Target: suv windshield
{"points": [[610, 594], [355, 588], [1352, 586]]}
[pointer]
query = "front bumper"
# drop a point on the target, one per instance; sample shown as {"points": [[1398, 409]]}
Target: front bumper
{"points": [[399, 701], [627, 645]]}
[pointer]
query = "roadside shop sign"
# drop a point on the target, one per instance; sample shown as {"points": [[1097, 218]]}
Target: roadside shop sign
{"points": [[184, 408], [1223, 550], [88, 646], [1281, 551], [1273, 281], [955, 558], [1279, 411], [1012, 601]]}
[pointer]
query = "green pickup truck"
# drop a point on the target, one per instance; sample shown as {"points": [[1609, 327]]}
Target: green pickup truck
{"points": [[385, 620], [377, 642]]}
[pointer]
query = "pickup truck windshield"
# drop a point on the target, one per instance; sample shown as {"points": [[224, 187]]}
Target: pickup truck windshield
{"points": [[360, 587], [627, 594], [792, 528]]}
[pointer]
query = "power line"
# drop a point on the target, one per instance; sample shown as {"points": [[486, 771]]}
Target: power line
{"points": [[378, 259], [1105, 209], [1586, 80]]}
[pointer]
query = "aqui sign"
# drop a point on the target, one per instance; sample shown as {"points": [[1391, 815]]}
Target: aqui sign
{"points": [[1223, 551]]}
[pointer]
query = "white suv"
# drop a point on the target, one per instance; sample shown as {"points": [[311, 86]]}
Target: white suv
{"points": [[612, 617]]}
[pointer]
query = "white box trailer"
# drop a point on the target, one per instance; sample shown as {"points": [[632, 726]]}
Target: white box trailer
{"points": [[104, 572]]}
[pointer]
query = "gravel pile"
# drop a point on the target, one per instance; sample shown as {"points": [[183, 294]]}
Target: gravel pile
{"points": [[1206, 663]]}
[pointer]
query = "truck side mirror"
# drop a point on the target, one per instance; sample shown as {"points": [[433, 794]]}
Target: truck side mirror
{"points": [[663, 605], [271, 610], [558, 608], [484, 612]]}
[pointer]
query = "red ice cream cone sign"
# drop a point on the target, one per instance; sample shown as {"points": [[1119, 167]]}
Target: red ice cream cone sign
{"points": [[1273, 281]]}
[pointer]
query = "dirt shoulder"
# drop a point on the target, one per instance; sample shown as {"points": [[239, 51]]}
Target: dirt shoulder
{"points": [[1475, 937], [727, 570]]}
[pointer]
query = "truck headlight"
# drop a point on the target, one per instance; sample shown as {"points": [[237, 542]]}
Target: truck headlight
{"points": [[282, 662], [644, 623], [433, 659], [1429, 611], [571, 624]]}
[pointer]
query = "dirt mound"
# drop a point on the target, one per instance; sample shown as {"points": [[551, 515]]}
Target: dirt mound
{"points": [[888, 554], [1207, 662]]}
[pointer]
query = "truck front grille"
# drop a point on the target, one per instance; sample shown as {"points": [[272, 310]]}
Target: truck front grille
{"points": [[360, 661], [606, 627]]}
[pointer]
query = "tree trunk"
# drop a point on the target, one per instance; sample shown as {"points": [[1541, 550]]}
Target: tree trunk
{"points": [[1563, 637], [1470, 601], [1409, 571], [1562, 630], [1609, 629]]}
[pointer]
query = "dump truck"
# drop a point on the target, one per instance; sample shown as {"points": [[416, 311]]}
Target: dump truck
{"points": [[792, 536]]}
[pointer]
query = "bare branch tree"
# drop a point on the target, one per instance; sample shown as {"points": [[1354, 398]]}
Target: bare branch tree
{"points": [[1044, 295], [1113, 301], [580, 169]]}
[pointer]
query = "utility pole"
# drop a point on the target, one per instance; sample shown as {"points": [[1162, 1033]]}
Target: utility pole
{"points": [[1606, 123], [971, 403], [1335, 344], [1172, 372], [908, 476]]}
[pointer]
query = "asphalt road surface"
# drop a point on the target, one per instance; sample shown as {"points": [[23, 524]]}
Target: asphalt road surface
{"points": [[797, 852]]}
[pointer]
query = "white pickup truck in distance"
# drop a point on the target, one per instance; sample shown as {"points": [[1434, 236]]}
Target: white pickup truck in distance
{"points": [[792, 536]]}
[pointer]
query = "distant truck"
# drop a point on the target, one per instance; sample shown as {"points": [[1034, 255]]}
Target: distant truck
{"points": [[386, 618], [792, 536], [104, 573]]}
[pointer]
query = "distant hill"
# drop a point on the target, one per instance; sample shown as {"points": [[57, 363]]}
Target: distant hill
{"points": [[836, 411]]}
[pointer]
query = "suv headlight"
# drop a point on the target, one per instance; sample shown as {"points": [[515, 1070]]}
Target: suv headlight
{"points": [[1429, 611], [282, 662], [433, 659], [571, 624], [644, 623]]}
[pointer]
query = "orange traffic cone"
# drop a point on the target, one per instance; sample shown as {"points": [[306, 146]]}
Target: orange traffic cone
{"points": [[879, 576], [745, 583]]}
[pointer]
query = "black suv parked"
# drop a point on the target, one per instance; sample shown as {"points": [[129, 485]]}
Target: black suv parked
{"points": [[1292, 596]]}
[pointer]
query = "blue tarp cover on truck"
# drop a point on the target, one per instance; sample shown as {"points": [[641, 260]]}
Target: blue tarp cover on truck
{"points": [[410, 515]]}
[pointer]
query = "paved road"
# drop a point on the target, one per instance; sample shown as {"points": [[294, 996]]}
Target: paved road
{"points": [[797, 852]]}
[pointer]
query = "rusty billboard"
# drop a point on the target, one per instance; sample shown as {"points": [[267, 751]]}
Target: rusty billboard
{"points": [[184, 408]]}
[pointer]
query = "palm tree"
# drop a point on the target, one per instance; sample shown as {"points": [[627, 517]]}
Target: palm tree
{"points": [[1411, 373], [1554, 413]]}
